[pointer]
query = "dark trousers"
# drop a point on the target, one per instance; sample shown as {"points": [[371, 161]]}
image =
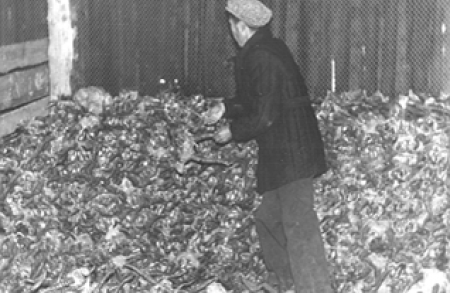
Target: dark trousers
{"points": [[290, 237]]}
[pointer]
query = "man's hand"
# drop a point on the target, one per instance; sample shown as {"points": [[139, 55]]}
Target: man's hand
{"points": [[214, 113], [223, 135]]}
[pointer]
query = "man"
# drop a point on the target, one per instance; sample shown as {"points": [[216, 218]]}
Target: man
{"points": [[272, 106]]}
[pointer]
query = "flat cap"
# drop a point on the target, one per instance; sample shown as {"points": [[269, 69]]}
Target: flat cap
{"points": [[253, 12]]}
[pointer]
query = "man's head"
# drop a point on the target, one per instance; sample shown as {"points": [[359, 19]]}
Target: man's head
{"points": [[246, 17]]}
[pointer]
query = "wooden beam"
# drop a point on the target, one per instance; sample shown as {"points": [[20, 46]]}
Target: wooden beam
{"points": [[9, 121], [23, 55], [61, 47], [24, 86]]}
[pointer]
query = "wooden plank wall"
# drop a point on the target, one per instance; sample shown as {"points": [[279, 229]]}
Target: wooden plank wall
{"points": [[24, 70], [387, 45]]}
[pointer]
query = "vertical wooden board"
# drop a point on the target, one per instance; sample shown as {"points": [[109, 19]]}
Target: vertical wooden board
{"points": [[118, 30], [132, 52], [356, 66], [61, 50], [175, 40], [339, 38], [283, 16], [28, 21], [291, 31], [40, 8], [170, 46], [387, 49], [303, 39], [25, 14], [31, 17], [202, 48], [301, 33], [110, 77], [219, 80], [7, 22], [92, 39], [419, 45], [19, 19], [446, 43], [186, 35], [277, 22], [381, 44], [128, 51], [210, 55], [318, 71], [107, 78], [3, 17], [402, 67], [81, 43], [193, 83], [179, 38], [230, 50], [371, 15], [148, 20], [435, 67]]}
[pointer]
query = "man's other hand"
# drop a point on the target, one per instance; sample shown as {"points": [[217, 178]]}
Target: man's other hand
{"points": [[214, 113], [223, 134]]}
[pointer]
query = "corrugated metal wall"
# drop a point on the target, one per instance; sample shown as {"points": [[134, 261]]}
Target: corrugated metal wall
{"points": [[387, 45]]}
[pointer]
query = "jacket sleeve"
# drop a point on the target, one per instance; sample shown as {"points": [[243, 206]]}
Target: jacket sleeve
{"points": [[266, 82], [233, 109]]}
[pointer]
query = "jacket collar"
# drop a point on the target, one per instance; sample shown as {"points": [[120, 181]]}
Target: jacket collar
{"points": [[257, 38]]}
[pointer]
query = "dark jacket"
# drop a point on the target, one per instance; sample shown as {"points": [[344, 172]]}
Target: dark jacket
{"points": [[272, 106]]}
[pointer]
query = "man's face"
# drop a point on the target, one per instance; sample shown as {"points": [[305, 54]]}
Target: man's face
{"points": [[237, 30]]}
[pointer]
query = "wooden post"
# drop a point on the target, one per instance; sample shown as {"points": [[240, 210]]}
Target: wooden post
{"points": [[61, 47]]}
